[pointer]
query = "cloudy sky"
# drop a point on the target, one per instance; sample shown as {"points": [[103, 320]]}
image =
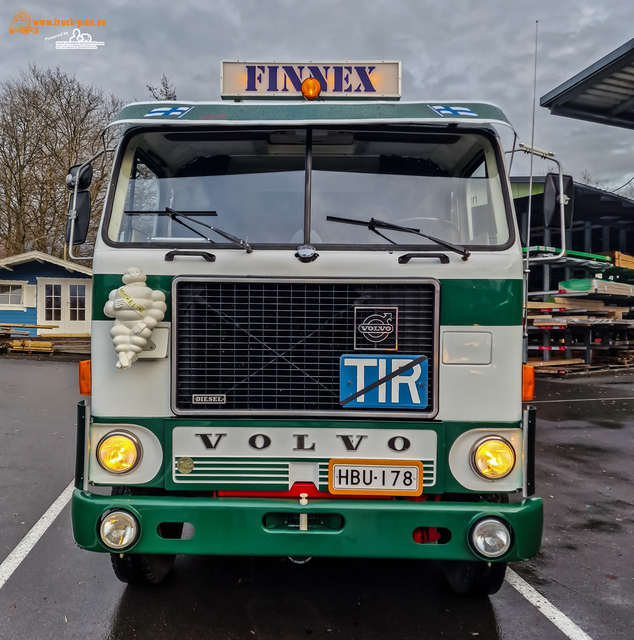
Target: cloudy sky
{"points": [[459, 50]]}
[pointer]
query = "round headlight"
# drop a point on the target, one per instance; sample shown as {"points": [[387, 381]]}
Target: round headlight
{"points": [[491, 538], [119, 452], [119, 529], [493, 458]]}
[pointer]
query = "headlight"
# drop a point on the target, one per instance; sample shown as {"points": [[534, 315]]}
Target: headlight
{"points": [[119, 529], [119, 452], [493, 458]]}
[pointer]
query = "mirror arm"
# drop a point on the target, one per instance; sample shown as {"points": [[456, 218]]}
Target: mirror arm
{"points": [[562, 198], [72, 213]]}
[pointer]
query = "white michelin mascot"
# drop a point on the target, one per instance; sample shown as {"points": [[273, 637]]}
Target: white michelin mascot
{"points": [[136, 310]]}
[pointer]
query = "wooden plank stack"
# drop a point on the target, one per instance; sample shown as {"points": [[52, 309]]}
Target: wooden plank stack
{"points": [[30, 346], [597, 286], [621, 259]]}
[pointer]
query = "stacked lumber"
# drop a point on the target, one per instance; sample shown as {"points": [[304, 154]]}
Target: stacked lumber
{"points": [[621, 259], [597, 287], [30, 346]]}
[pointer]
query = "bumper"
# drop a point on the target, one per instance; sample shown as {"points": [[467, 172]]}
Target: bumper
{"points": [[362, 528]]}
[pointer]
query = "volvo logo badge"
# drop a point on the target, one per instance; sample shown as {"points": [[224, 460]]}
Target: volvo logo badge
{"points": [[376, 328]]}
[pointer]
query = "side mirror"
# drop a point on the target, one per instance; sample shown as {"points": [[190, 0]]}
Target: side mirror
{"points": [[552, 200], [84, 179], [82, 219]]}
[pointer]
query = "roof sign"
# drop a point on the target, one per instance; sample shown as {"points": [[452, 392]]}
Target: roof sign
{"points": [[339, 80]]}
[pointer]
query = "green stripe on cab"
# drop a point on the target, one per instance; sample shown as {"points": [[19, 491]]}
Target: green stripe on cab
{"points": [[481, 302], [462, 302]]}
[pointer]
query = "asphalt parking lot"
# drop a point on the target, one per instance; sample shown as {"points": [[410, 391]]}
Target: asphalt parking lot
{"points": [[585, 569]]}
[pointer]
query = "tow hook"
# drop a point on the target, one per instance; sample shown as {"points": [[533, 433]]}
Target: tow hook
{"points": [[303, 517]]}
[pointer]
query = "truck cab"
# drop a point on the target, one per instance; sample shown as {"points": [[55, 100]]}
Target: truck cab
{"points": [[307, 340]]}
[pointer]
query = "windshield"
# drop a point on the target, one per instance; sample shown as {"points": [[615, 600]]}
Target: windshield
{"points": [[251, 184]]}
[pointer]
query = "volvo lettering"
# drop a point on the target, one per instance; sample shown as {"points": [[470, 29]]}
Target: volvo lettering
{"points": [[307, 331]]}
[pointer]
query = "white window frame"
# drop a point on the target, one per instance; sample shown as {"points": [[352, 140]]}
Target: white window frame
{"points": [[15, 307]]}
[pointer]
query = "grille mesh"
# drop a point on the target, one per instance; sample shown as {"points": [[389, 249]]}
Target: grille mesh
{"points": [[275, 346]]}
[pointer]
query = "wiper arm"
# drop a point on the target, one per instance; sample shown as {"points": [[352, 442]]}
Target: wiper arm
{"points": [[177, 215], [375, 224]]}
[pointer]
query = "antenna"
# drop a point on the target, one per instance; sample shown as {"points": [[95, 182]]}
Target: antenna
{"points": [[530, 202]]}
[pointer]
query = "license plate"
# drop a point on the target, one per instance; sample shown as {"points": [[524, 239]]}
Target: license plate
{"points": [[375, 477]]}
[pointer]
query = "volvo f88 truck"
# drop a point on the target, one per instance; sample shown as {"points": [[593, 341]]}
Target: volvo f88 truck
{"points": [[306, 332]]}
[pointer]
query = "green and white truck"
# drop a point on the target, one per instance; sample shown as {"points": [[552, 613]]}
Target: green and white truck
{"points": [[306, 332]]}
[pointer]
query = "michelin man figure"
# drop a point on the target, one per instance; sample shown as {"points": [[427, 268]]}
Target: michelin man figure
{"points": [[136, 310]]}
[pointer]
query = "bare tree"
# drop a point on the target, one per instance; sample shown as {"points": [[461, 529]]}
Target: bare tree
{"points": [[586, 178], [49, 121], [165, 91]]}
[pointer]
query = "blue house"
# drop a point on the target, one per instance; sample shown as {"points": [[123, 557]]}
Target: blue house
{"points": [[38, 289]]}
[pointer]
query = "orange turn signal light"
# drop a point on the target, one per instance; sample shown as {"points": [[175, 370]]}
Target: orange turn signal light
{"points": [[85, 380], [528, 383], [311, 89]]}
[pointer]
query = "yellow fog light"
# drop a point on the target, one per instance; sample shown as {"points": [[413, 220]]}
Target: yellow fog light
{"points": [[493, 458], [119, 452]]}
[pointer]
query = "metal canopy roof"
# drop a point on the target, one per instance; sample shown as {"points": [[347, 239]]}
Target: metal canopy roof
{"points": [[603, 93]]}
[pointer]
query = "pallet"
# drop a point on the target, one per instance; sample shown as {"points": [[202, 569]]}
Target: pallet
{"points": [[32, 351], [555, 363]]}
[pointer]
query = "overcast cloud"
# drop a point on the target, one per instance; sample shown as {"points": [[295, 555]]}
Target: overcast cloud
{"points": [[459, 50]]}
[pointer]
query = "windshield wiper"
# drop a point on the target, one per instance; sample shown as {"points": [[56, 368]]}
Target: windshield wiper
{"points": [[177, 215], [375, 224]]}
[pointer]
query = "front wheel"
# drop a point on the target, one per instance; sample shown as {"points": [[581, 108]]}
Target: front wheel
{"points": [[144, 568], [478, 579], [141, 568]]}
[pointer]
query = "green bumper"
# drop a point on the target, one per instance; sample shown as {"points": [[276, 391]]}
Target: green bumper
{"points": [[337, 528]]}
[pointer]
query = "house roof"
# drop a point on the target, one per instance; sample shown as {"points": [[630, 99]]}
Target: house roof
{"points": [[603, 93], [38, 256]]}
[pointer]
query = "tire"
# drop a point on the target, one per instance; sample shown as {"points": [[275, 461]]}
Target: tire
{"points": [[478, 579], [143, 568]]}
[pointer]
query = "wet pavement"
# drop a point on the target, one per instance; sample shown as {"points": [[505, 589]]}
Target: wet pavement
{"points": [[585, 473]]}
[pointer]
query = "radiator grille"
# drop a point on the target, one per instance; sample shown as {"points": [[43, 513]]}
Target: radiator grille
{"points": [[275, 346], [244, 473]]}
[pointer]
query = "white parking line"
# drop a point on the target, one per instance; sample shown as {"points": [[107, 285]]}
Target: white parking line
{"points": [[21, 551], [580, 400], [561, 621], [23, 548]]}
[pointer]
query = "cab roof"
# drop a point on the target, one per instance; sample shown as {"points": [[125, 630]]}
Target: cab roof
{"points": [[298, 113]]}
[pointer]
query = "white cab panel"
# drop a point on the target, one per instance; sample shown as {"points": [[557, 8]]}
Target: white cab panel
{"points": [[484, 392], [330, 264], [143, 390]]}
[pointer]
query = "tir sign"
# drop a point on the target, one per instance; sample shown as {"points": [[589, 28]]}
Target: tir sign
{"points": [[383, 382], [338, 80]]}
